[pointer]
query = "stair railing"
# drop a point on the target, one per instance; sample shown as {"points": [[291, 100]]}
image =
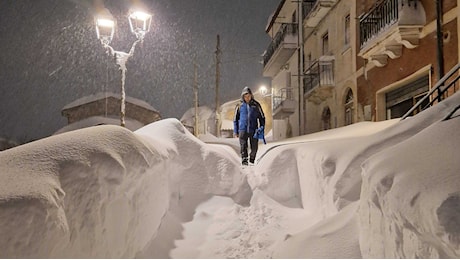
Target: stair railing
{"points": [[437, 93]]}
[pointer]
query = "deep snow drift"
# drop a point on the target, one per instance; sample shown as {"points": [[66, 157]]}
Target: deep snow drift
{"points": [[387, 190]]}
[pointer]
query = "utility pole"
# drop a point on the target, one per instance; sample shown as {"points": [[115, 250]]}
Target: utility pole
{"points": [[218, 52], [195, 90]]}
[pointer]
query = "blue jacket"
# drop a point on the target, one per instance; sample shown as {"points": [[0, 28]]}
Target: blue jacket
{"points": [[248, 117]]}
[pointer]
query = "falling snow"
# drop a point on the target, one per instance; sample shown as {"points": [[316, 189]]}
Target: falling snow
{"points": [[50, 57]]}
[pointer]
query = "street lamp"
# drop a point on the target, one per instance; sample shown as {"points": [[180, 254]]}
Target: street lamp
{"points": [[263, 91], [139, 23]]}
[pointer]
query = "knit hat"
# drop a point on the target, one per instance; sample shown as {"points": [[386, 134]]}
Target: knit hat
{"points": [[246, 90]]}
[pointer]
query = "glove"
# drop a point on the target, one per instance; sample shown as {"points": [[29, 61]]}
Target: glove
{"points": [[259, 134]]}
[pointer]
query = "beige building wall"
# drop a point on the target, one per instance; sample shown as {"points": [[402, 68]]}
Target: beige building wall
{"points": [[331, 98], [345, 58], [286, 78]]}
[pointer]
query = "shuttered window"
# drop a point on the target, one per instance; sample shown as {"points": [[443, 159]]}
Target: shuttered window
{"points": [[400, 100]]}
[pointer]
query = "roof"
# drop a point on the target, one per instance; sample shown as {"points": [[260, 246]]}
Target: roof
{"points": [[274, 16], [131, 124], [104, 95], [204, 113]]}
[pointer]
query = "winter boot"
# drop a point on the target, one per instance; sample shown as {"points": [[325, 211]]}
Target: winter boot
{"points": [[251, 161], [244, 161]]}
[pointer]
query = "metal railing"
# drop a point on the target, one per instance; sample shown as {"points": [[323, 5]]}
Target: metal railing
{"points": [[307, 6], [282, 95], [285, 29], [446, 86], [320, 73], [377, 20]]}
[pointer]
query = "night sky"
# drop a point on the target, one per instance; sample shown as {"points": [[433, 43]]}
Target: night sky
{"points": [[50, 56]]}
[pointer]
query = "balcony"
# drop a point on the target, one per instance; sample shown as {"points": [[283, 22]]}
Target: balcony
{"points": [[388, 27], [315, 10], [284, 104], [281, 49], [318, 81]]}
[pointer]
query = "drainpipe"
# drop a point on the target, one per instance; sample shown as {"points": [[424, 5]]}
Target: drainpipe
{"points": [[300, 66], [439, 38]]}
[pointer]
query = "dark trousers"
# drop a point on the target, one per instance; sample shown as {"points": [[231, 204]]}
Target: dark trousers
{"points": [[254, 142]]}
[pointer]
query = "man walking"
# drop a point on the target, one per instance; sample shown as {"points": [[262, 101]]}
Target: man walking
{"points": [[248, 118]]}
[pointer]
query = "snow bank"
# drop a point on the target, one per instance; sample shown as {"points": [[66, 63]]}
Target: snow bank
{"points": [[410, 208], [86, 193], [102, 192], [194, 166], [324, 175]]}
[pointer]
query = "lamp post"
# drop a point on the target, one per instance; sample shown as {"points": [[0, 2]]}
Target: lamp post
{"points": [[139, 23]]}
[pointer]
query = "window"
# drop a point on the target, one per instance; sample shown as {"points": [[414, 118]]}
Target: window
{"points": [[307, 61], [325, 46], [347, 30], [401, 100], [326, 118], [349, 107]]}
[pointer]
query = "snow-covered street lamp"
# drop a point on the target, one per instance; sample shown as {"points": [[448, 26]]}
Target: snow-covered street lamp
{"points": [[139, 23], [105, 28]]}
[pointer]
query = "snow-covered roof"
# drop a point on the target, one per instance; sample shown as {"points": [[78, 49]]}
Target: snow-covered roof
{"points": [[103, 95], [130, 123], [230, 103], [273, 16], [204, 113]]}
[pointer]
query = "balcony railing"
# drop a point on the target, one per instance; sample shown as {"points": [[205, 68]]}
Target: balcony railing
{"points": [[378, 19], [319, 73], [285, 29], [314, 11], [284, 104], [282, 95], [389, 26]]}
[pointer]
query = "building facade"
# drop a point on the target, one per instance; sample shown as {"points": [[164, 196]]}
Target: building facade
{"points": [[400, 57], [329, 80], [281, 63], [352, 61]]}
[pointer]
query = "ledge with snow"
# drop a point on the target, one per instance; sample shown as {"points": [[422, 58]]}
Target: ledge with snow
{"points": [[373, 190]]}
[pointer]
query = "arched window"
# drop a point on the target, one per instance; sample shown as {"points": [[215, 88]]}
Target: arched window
{"points": [[349, 107], [326, 118]]}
